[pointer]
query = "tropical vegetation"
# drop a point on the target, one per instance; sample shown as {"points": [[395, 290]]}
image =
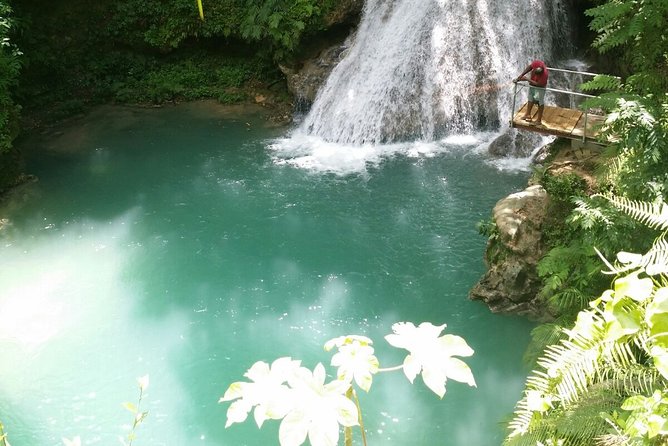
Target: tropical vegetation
{"points": [[606, 381], [603, 377], [150, 51], [9, 73]]}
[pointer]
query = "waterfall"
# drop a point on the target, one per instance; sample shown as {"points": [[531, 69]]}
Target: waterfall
{"points": [[423, 69]]}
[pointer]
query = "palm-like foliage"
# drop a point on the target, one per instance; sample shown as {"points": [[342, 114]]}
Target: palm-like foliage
{"points": [[653, 215], [618, 348], [638, 30]]}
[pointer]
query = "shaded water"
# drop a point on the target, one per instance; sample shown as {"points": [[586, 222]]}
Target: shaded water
{"points": [[174, 243]]}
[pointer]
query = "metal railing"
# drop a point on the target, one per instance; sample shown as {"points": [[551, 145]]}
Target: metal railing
{"points": [[518, 86]]}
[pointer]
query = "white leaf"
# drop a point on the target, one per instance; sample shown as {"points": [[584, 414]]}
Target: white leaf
{"points": [[293, 429], [629, 257], [411, 368], [459, 371]]}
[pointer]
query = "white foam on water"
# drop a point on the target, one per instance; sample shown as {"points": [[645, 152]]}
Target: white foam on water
{"points": [[519, 164], [317, 155], [509, 164]]}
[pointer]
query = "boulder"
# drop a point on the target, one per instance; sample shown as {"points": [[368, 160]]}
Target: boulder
{"points": [[513, 143], [511, 284]]}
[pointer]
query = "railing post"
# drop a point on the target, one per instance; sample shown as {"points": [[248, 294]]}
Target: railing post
{"points": [[584, 132], [512, 110]]}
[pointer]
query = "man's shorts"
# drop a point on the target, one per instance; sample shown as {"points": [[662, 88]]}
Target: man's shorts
{"points": [[537, 94]]}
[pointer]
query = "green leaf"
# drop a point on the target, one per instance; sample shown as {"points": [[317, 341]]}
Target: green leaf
{"points": [[660, 357], [634, 287], [636, 402], [275, 20]]}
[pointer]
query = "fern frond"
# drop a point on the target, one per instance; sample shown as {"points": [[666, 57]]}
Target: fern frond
{"points": [[634, 380], [612, 440], [571, 368], [602, 82], [619, 354], [605, 102], [542, 336], [571, 364], [576, 425], [654, 215], [569, 300], [583, 421]]}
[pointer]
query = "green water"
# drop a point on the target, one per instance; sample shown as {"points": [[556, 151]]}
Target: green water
{"points": [[170, 242]]}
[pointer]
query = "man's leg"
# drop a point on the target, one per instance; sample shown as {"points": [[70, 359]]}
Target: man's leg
{"points": [[539, 115], [541, 106], [527, 114], [531, 101]]}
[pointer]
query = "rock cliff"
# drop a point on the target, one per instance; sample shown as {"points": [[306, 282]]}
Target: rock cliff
{"points": [[511, 283], [305, 78]]}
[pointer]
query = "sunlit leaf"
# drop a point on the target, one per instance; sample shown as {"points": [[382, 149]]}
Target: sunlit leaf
{"points": [[267, 392], [634, 287], [628, 257], [293, 429], [635, 402], [431, 354], [660, 357], [319, 409], [355, 360], [537, 402]]}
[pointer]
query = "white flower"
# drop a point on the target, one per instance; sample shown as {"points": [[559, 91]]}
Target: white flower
{"points": [[268, 393], [318, 411], [432, 354], [355, 359]]}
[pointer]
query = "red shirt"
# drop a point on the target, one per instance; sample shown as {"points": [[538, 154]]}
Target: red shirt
{"points": [[540, 79]]}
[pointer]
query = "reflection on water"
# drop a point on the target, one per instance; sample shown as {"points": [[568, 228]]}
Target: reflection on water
{"points": [[173, 244]]}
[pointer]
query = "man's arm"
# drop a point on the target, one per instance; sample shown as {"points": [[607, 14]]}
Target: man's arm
{"points": [[521, 76]]}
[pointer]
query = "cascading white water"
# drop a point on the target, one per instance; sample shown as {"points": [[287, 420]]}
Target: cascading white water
{"points": [[422, 69]]}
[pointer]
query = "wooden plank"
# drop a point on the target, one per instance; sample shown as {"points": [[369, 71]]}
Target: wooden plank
{"points": [[557, 121]]}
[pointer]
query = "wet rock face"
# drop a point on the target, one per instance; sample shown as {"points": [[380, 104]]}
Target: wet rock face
{"points": [[303, 83], [305, 79], [511, 283], [347, 11], [513, 143]]}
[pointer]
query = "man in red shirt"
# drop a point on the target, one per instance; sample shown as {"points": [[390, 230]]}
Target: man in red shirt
{"points": [[538, 82]]}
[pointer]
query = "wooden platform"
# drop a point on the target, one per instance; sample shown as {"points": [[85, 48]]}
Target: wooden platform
{"points": [[563, 122]]}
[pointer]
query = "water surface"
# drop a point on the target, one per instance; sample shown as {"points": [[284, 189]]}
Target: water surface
{"points": [[178, 243]]}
